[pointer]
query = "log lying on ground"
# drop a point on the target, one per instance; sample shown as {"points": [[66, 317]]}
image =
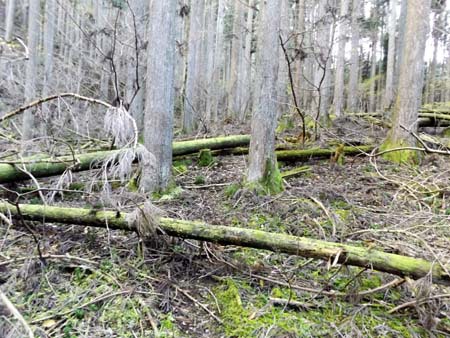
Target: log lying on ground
{"points": [[303, 154], [301, 246], [56, 166]]}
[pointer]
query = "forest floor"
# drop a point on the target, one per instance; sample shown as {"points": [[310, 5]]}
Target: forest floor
{"points": [[100, 283]]}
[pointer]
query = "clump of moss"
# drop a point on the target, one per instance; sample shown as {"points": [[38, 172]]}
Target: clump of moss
{"points": [[272, 181], [231, 190], [200, 179], [404, 156], [205, 158]]}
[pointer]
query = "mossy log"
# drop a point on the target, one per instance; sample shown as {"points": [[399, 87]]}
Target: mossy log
{"points": [[43, 167], [301, 246], [303, 154]]}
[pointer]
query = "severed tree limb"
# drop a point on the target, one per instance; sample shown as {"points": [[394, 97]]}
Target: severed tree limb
{"points": [[301, 246]]}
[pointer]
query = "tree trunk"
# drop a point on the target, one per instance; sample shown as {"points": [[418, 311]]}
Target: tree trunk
{"points": [[405, 112], [234, 94], [247, 64], [373, 67], [192, 95], [226, 235], [10, 13], [263, 168], [340, 61], [158, 132], [219, 63], [31, 70], [353, 92], [389, 91]]}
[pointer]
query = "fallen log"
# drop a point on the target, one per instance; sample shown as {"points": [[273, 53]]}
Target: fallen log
{"points": [[302, 154], [300, 246], [44, 167], [12, 172]]}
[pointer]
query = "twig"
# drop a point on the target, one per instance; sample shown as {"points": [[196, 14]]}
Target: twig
{"points": [[16, 313], [418, 301], [50, 98], [200, 304]]}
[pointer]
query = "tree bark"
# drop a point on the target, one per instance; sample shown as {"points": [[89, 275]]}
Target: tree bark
{"points": [[389, 91], [31, 70], [158, 132], [225, 235], [263, 164], [405, 112], [10, 13], [192, 94], [340, 61], [353, 92]]}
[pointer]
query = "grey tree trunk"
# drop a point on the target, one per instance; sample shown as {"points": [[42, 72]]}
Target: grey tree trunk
{"points": [[283, 98], [192, 100], [373, 70], [10, 12], [160, 94], [49, 36], [247, 64], [237, 52], [353, 84], [340, 61], [263, 165], [400, 41], [406, 108], [209, 56], [389, 90], [219, 62], [299, 80], [31, 68]]}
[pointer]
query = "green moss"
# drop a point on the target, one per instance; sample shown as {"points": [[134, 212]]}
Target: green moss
{"points": [[200, 179], [76, 186], [231, 190], [180, 167], [272, 182], [172, 192], [446, 132], [405, 156], [285, 123], [205, 158]]}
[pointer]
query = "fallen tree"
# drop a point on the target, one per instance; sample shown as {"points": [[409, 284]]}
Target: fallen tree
{"points": [[302, 154], [16, 171], [301, 246], [11, 171]]}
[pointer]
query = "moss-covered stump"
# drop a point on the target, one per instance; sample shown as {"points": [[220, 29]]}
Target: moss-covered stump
{"points": [[301, 246]]}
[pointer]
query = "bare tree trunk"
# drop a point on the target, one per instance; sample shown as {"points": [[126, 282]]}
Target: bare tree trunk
{"points": [[219, 60], [283, 98], [352, 101], [234, 94], [160, 95], [430, 98], [401, 41], [191, 102], [340, 61], [247, 64], [31, 69], [210, 21], [405, 112], [373, 70], [389, 91], [49, 37], [300, 64], [263, 166], [10, 12]]}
